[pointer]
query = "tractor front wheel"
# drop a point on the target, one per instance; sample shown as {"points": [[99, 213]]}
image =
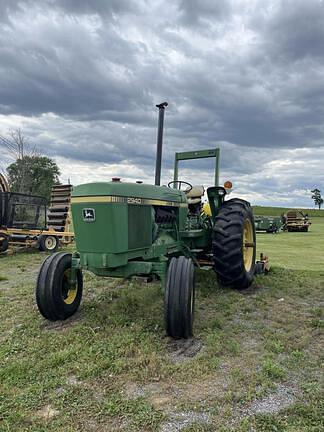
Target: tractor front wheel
{"points": [[56, 297], [234, 244], [180, 298]]}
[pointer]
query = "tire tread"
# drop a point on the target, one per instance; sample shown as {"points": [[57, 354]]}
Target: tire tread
{"points": [[227, 244]]}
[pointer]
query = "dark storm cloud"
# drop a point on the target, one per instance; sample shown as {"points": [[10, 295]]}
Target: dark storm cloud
{"points": [[74, 7], [242, 75], [61, 69], [290, 58], [100, 7], [295, 30], [94, 71], [193, 14], [7, 7]]}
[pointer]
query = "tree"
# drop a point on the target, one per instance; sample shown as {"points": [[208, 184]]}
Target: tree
{"points": [[30, 173], [317, 197], [18, 147], [41, 173]]}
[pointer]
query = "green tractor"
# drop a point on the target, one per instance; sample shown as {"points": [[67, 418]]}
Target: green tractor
{"points": [[134, 229]]}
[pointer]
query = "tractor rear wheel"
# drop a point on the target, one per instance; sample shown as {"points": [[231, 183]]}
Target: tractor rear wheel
{"points": [[234, 244], [56, 298], [180, 298]]}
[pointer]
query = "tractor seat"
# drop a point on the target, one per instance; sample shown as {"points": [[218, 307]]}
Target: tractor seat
{"points": [[195, 194]]}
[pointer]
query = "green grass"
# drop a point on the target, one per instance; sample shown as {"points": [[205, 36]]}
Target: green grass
{"points": [[297, 251], [111, 367], [277, 211]]}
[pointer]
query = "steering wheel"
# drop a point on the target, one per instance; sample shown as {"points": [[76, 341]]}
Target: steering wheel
{"points": [[179, 183]]}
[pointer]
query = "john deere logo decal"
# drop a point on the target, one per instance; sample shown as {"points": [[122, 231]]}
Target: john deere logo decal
{"points": [[89, 214]]}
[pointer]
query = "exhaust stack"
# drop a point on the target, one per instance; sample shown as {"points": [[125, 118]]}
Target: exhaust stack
{"points": [[161, 107]]}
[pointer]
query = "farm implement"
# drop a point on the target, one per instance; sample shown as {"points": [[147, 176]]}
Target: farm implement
{"points": [[25, 221], [296, 221], [269, 224], [133, 229]]}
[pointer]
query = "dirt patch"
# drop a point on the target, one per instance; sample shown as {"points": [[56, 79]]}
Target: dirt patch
{"points": [[160, 395], [253, 289], [241, 320], [92, 425], [73, 381], [46, 413], [202, 391], [133, 391], [184, 349], [110, 426], [167, 396], [277, 401], [62, 325], [251, 345], [181, 420]]}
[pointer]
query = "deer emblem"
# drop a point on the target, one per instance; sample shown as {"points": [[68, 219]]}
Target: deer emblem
{"points": [[88, 214]]}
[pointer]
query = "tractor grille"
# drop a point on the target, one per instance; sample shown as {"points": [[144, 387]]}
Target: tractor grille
{"points": [[139, 226]]}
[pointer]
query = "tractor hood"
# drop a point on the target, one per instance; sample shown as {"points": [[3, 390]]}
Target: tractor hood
{"points": [[114, 221], [128, 191]]}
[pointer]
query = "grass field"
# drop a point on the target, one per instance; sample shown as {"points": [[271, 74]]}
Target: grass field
{"points": [[277, 211], [296, 251], [254, 364]]}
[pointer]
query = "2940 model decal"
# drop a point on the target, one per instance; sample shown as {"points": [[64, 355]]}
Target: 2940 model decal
{"points": [[126, 200]]}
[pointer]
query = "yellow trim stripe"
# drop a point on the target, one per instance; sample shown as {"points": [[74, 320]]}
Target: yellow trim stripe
{"points": [[126, 200], [88, 199]]}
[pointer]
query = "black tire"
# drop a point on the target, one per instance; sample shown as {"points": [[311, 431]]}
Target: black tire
{"points": [[55, 299], [4, 242], [234, 264], [180, 298], [48, 243]]}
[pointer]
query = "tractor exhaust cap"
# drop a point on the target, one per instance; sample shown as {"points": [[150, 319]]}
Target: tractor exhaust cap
{"points": [[162, 105], [158, 162]]}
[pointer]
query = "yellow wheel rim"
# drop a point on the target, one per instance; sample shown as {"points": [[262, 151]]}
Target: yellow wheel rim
{"points": [[248, 245], [71, 292]]}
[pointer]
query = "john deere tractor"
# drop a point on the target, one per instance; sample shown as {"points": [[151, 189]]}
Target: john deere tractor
{"points": [[133, 229]]}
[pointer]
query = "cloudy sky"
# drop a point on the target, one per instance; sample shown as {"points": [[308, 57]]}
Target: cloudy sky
{"points": [[81, 79]]}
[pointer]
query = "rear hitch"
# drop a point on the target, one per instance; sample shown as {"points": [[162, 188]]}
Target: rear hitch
{"points": [[262, 266]]}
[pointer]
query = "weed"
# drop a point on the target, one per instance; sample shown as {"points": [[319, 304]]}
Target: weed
{"points": [[272, 369]]}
